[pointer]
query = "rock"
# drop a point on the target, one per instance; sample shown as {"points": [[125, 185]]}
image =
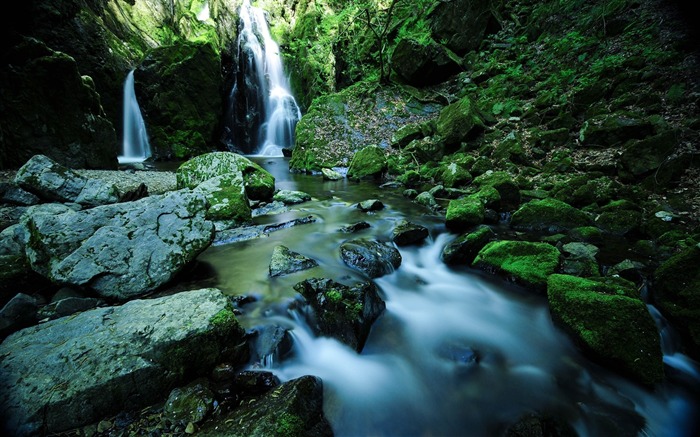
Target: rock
{"points": [[295, 408], [179, 91], [370, 205], [614, 328], [259, 183], [423, 64], [539, 425], [110, 359], [406, 233], [355, 227], [463, 24], [405, 134], [458, 121], [676, 291], [504, 183], [609, 130], [13, 261], [191, 403], [464, 213], [643, 156], [226, 198], [255, 382], [619, 221], [579, 259], [371, 257], [527, 263], [268, 344], [455, 176], [367, 163], [289, 197], [51, 181], [68, 306], [18, 313], [123, 250], [426, 199], [51, 109], [548, 215], [463, 249], [284, 262], [331, 175], [14, 195], [342, 312]]}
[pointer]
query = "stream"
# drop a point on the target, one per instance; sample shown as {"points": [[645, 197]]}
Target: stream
{"points": [[457, 352]]}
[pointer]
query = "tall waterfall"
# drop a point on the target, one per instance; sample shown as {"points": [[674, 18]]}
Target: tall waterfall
{"points": [[262, 112], [135, 146]]}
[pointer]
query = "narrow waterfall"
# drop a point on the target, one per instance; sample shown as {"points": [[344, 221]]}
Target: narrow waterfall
{"points": [[135, 146], [262, 112]]}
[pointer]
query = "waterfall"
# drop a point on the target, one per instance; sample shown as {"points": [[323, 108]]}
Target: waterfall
{"points": [[135, 147], [262, 112]]}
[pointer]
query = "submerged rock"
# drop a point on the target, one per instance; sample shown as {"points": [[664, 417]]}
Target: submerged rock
{"points": [[406, 233], [73, 371], [370, 205], [285, 261], [120, 251], [527, 263], [342, 312], [371, 257], [609, 324]]}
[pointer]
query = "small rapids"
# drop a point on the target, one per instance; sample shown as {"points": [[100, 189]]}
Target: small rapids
{"points": [[456, 352]]}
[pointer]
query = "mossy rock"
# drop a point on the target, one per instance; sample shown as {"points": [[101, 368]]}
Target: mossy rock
{"points": [[617, 330], [676, 291], [548, 215], [620, 222], [643, 156], [610, 130], [455, 175], [259, 183], [226, 198], [459, 121], [369, 162], [525, 262], [504, 183], [463, 249], [464, 213], [423, 64]]}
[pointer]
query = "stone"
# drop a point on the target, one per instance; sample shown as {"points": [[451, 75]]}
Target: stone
{"points": [[290, 197], [463, 249], [609, 130], [506, 186], [355, 227], [110, 359], [226, 198], [455, 175], [463, 24], [371, 257], [548, 215], [464, 213], [579, 259], [12, 194], [331, 175], [255, 382], [370, 205], [19, 312], [367, 163], [527, 263], [458, 121], [423, 64], [191, 403], [123, 250], [285, 261], [268, 344], [406, 233]]}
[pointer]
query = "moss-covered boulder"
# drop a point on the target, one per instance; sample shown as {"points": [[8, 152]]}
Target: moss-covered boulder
{"points": [[179, 90], [49, 108], [368, 163], [285, 261], [463, 24], [676, 291], [464, 213], [423, 64], [643, 156], [406, 233], [463, 249], [506, 186], [610, 130], [259, 183], [525, 262], [459, 121], [226, 198], [614, 328], [455, 175], [548, 215]]}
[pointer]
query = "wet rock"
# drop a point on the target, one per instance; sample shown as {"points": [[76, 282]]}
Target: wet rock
{"points": [[540, 425], [252, 232], [548, 215], [406, 233], [423, 64], [289, 197], [104, 248], [462, 357], [367, 163], [268, 344], [628, 269], [525, 262], [52, 181], [67, 306], [294, 408], [14, 195], [259, 183], [127, 357], [610, 325], [18, 313], [371, 257], [342, 312], [370, 205], [254, 382], [426, 199], [355, 227], [463, 249], [464, 213], [579, 259], [285, 261], [331, 175], [191, 403]]}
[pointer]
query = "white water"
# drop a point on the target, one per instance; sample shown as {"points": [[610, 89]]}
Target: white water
{"points": [[203, 15], [281, 110], [135, 146]]}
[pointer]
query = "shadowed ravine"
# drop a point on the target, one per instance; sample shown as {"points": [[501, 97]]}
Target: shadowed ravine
{"points": [[455, 351]]}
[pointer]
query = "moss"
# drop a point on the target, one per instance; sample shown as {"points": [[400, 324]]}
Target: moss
{"points": [[586, 234], [616, 329], [548, 215], [224, 322], [464, 213], [619, 222], [526, 262], [458, 121], [455, 175], [505, 185], [369, 162]]}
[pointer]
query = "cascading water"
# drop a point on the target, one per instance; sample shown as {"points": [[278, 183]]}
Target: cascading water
{"points": [[135, 146], [262, 112]]}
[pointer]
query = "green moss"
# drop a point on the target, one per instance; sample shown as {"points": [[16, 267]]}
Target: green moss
{"points": [[464, 213], [367, 162], [548, 215], [224, 322], [289, 425], [526, 262], [616, 329], [458, 120]]}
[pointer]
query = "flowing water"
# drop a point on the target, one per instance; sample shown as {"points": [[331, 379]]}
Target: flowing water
{"points": [[135, 146], [262, 112], [456, 352]]}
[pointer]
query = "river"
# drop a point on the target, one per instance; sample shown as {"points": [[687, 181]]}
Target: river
{"points": [[457, 352]]}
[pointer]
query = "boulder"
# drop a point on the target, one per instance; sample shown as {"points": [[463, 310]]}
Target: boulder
{"points": [[73, 371], [459, 121], [367, 163], [294, 408], [463, 249], [423, 64], [464, 213], [608, 323], [548, 215], [12, 194], [53, 182], [342, 312], [406, 233], [355, 227], [259, 183], [191, 403], [455, 175], [579, 259], [506, 186], [285, 261], [290, 197], [371, 257], [331, 175], [463, 24], [609, 130], [18, 313], [226, 198], [123, 250], [370, 205], [525, 262]]}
